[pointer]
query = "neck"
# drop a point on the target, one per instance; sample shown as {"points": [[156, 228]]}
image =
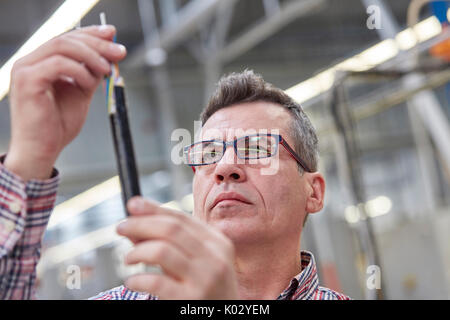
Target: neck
{"points": [[263, 272]]}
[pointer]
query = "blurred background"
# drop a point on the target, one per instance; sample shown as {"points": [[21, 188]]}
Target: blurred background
{"points": [[376, 89]]}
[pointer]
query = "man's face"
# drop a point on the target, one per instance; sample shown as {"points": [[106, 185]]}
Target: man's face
{"points": [[257, 207]]}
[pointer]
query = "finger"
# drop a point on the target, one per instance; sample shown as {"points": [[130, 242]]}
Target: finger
{"points": [[156, 284], [162, 228], [93, 51], [103, 31], [111, 51], [75, 50], [139, 206], [173, 262], [59, 67]]}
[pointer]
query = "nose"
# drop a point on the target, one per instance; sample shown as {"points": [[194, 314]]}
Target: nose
{"points": [[227, 169]]}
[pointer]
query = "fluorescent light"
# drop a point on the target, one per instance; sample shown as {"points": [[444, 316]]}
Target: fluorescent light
{"points": [[375, 55], [312, 87], [352, 214], [83, 201], [376, 207], [427, 29], [63, 19], [72, 248], [379, 53], [355, 63], [406, 39]]}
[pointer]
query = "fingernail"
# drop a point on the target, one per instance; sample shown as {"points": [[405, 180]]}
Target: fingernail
{"points": [[121, 226], [136, 204], [118, 48], [106, 28]]}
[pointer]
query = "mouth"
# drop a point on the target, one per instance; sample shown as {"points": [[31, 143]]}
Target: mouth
{"points": [[229, 198]]}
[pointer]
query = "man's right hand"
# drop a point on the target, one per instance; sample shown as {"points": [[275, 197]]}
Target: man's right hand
{"points": [[51, 90]]}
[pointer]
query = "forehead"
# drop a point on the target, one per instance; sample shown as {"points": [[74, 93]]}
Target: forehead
{"points": [[247, 118]]}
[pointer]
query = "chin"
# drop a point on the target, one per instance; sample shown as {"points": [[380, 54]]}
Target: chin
{"points": [[237, 230]]}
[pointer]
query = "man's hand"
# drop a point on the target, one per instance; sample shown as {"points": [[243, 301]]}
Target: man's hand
{"points": [[197, 260], [51, 90]]}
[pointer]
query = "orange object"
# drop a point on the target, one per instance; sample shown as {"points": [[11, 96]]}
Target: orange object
{"points": [[441, 50]]}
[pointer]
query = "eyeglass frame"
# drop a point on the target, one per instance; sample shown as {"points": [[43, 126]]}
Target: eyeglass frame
{"points": [[280, 140]]}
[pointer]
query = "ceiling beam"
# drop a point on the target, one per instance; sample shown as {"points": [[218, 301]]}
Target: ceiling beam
{"points": [[168, 36], [267, 27]]}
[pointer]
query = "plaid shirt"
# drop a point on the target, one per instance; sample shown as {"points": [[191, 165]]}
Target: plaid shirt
{"points": [[25, 209]]}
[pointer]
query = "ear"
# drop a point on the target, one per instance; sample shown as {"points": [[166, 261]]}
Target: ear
{"points": [[316, 192]]}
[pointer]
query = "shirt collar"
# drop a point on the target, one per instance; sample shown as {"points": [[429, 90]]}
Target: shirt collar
{"points": [[303, 285]]}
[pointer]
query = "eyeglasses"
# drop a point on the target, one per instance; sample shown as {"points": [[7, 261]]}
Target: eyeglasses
{"points": [[257, 146]]}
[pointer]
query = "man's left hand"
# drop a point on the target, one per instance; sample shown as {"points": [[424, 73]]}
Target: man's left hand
{"points": [[197, 260]]}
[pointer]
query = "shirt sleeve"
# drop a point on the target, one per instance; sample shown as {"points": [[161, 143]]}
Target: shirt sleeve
{"points": [[25, 209]]}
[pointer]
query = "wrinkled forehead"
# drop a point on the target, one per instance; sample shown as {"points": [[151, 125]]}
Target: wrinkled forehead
{"points": [[229, 134], [237, 121]]}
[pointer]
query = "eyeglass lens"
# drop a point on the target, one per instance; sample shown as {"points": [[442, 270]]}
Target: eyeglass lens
{"points": [[248, 147]]}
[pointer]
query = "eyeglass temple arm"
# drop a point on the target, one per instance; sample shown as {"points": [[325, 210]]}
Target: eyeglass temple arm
{"points": [[294, 154]]}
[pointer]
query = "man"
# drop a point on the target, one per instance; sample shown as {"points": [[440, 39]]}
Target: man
{"points": [[252, 191]]}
